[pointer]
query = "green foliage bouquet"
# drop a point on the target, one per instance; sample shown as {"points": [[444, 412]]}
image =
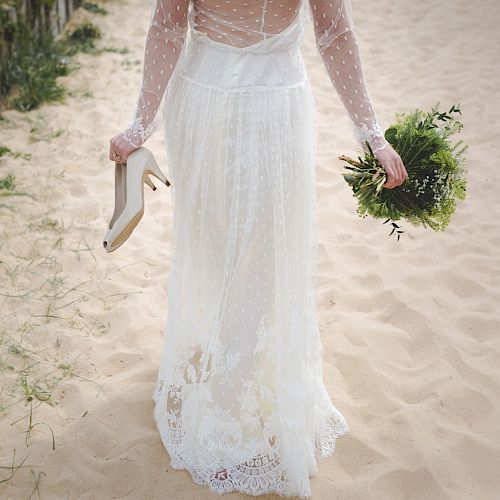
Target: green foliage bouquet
{"points": [[435, 166]]}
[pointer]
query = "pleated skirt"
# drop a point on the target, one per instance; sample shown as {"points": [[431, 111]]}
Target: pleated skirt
{"points": [[240, 400]]}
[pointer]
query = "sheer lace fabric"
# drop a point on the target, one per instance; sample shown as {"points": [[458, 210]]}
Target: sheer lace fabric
{"points": [[241, 24], [338, 47], [165, 38], [240, 400]]}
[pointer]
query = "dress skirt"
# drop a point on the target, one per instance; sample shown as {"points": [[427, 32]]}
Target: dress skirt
{"points": [[240, 400]]}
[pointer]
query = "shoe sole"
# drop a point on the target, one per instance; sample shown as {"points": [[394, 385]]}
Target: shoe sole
{"points": [[123, 236]]}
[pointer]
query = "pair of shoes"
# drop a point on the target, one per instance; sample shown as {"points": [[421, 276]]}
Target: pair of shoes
{"points": [[129, 195]]}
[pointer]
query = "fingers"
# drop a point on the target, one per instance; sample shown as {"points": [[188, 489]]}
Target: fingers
{"points": [[391, 182], [403, 169], [393, 165], [118, 151], [400, 169], [112, 149], [396, 173]]}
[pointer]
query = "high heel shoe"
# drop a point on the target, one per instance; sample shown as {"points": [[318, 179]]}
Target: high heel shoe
{"points": [[129, 195]]}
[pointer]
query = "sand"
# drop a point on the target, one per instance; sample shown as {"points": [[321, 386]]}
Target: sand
{"points": [[410, 328]]}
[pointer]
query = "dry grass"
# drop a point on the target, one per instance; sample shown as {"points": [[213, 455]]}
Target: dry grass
{"points": [[49, 314]]}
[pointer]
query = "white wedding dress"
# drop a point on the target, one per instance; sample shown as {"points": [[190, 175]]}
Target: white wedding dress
{"points": [[240, 400]]}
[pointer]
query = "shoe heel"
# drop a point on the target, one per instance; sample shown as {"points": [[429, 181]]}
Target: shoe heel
{"points": [[154, 169], [149, 182]]}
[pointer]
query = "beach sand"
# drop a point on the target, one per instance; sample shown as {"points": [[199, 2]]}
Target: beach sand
{"points": [[410, 328]]}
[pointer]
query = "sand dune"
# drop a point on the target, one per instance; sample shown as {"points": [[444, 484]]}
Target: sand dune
{"points": [[410, 328]]}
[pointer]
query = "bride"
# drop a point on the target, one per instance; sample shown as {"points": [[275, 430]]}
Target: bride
{"points": [[240, 400]]}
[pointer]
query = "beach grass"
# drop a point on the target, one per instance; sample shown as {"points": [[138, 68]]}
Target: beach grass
{"points": [[30, 75]]}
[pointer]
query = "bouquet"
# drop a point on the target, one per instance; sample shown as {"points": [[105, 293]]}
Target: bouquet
{"points": [[435, 166]]}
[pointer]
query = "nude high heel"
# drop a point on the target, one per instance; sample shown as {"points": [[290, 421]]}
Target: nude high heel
{"points": [[129, 195]]}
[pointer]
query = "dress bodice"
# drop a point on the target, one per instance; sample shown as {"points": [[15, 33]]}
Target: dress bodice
{"points": [[244, 32]]}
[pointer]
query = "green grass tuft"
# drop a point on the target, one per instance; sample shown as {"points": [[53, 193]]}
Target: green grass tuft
{"points": [[28, 77], [8, 183]]}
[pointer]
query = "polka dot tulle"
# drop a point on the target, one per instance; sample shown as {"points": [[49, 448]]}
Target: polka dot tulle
{"points": [[238, 23], [240, 400]]}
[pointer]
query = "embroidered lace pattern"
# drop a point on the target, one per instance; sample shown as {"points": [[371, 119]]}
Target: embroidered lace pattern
{"points": [[265, 447], [240, 400]]}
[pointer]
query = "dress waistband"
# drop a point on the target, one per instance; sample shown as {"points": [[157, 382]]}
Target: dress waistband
{"points": [[208, 65]]}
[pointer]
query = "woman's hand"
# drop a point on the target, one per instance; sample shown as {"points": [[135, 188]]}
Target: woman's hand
{"points": [[119, 145], [393, 165]]}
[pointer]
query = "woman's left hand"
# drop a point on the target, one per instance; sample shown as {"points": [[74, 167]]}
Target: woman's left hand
{"points": [[119, 145], [393, 165]]}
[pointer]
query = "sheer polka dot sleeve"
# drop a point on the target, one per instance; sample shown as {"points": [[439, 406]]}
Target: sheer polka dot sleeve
{"points": [[338, 47], [165, 39]]}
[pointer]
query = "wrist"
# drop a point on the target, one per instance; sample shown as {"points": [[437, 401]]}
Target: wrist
{"points": [[134, 142], [373, 134], [137, 134]]}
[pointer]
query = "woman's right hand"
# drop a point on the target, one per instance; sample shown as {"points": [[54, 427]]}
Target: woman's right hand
{"points": [[119, 144], [393, 165]]}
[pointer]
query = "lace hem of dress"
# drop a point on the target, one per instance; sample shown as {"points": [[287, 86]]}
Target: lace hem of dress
{"points": [[243, 478], [374, 135]]}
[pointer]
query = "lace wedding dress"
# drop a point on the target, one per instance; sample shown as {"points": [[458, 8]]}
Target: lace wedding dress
{"points": [[240, 400]]}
